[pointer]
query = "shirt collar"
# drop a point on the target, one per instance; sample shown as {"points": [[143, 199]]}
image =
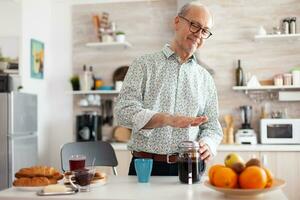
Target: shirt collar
{"points": [[168, 52]]}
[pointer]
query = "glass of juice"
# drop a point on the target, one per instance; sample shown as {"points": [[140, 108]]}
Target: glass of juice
{"points": [[77, 162]]}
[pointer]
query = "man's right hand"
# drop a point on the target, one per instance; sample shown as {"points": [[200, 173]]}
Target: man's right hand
{"points": [[177, 121]]}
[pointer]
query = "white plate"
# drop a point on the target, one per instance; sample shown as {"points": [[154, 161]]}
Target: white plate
{"points": [[278, 183], [99, 183], [29, 189]]}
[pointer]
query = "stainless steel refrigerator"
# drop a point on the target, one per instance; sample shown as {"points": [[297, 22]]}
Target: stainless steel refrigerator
{"points": [[18, 134]]}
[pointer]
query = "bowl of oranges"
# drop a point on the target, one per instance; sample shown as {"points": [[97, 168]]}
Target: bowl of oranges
{"points": [[239, 178]]}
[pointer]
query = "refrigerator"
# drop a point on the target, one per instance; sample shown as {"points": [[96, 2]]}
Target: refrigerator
{"points": [[18, 134]]}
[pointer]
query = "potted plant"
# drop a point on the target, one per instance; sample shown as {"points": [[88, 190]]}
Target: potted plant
{"points": [[75, 82], [120, 36]]}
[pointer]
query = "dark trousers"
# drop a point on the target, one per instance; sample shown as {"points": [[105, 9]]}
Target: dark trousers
{"points": [[158, 168]]}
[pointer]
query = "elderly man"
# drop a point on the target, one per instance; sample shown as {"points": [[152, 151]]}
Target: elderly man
{"points": [[167, 97]]}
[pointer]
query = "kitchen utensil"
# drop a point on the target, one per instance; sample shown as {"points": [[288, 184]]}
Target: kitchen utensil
{"points": [[246, 115], [228, 120], [83, 102], [118, 85], [85, 133], [246, 135], [109, 111], [225, 135]]}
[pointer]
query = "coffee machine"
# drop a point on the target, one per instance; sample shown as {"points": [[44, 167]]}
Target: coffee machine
{"points": [[88, 127], [246, 135]]}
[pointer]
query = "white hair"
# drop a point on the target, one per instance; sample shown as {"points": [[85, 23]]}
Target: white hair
{"points": [[186, 7]]}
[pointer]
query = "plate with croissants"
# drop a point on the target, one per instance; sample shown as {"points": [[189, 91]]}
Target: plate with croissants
{"points": [[36, 177]]}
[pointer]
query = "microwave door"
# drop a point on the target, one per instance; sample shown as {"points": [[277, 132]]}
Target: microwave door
{"points": [[280, 133]]}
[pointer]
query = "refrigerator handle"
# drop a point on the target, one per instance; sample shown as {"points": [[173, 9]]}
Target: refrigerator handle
{"points": [[21, 135]]}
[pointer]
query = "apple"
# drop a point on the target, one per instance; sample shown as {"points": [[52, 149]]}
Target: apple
{"points": [[233, 158]]}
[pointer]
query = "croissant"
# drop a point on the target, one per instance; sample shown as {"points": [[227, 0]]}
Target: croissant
{"points": [[31, 182], [39, 171]]}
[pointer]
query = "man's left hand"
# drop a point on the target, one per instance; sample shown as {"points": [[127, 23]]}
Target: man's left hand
{"points": [[204, 152]]}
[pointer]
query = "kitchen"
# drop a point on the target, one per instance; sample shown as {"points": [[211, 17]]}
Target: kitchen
{"points": [[66, 33]]}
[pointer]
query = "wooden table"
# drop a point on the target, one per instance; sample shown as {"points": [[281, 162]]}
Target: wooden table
{"points": [[126, 187]]}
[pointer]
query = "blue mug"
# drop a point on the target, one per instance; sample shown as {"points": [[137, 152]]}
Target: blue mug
{"points": [[143, 168]]}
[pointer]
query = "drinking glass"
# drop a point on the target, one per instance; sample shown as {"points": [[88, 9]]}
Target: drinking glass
{"points": [[77, 162]]}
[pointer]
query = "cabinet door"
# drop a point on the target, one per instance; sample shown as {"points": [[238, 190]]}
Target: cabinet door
{"points": [[124, 159], [286, 166]]}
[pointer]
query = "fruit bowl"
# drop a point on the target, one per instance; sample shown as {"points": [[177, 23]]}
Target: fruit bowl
{"points": [[277, 184]]}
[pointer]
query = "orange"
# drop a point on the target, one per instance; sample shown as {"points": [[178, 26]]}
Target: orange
{"points": [[253, 177], [225, 177], [270, 177], [212, 171]]}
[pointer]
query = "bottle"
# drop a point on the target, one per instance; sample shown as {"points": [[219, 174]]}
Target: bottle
{"points": [[91, 78], [293, 25], [85, 79], [239, 74]]}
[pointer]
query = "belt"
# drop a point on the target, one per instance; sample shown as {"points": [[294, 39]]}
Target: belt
{"points": [[168, 158]]}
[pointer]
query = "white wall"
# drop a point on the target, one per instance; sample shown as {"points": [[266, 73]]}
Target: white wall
{"points": [[10, 27], [10, 18], [49, 22]]}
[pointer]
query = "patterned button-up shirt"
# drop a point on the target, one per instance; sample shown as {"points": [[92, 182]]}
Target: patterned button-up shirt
{"points": [[158, 82]]}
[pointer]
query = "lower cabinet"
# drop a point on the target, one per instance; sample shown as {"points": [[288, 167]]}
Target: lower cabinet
{"points": [[284, 165], [124, 159]]}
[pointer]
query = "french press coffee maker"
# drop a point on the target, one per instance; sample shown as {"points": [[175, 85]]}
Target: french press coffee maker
{"points": [[190, 165]]}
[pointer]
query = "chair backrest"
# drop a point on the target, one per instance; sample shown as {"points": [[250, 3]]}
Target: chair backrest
{"points": [[101, 151]]}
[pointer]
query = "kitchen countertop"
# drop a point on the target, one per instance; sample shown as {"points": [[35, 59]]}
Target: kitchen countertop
{"points": [[235, 147], [126, 187]]}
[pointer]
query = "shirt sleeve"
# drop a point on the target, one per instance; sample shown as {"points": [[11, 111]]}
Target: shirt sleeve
{"points": [[211, 132], [129, 111]]}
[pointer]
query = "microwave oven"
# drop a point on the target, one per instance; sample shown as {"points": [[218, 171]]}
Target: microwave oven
{"points": [[280, 131], [9, 82]]}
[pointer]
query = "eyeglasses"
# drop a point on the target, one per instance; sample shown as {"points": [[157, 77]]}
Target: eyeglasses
{"points": [[195, 28]]}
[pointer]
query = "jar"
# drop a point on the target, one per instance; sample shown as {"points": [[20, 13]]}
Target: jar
{"points": [[278, 80], [293, 25], [190, 166], [296, 77], [285, 25], [287, 79]]}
